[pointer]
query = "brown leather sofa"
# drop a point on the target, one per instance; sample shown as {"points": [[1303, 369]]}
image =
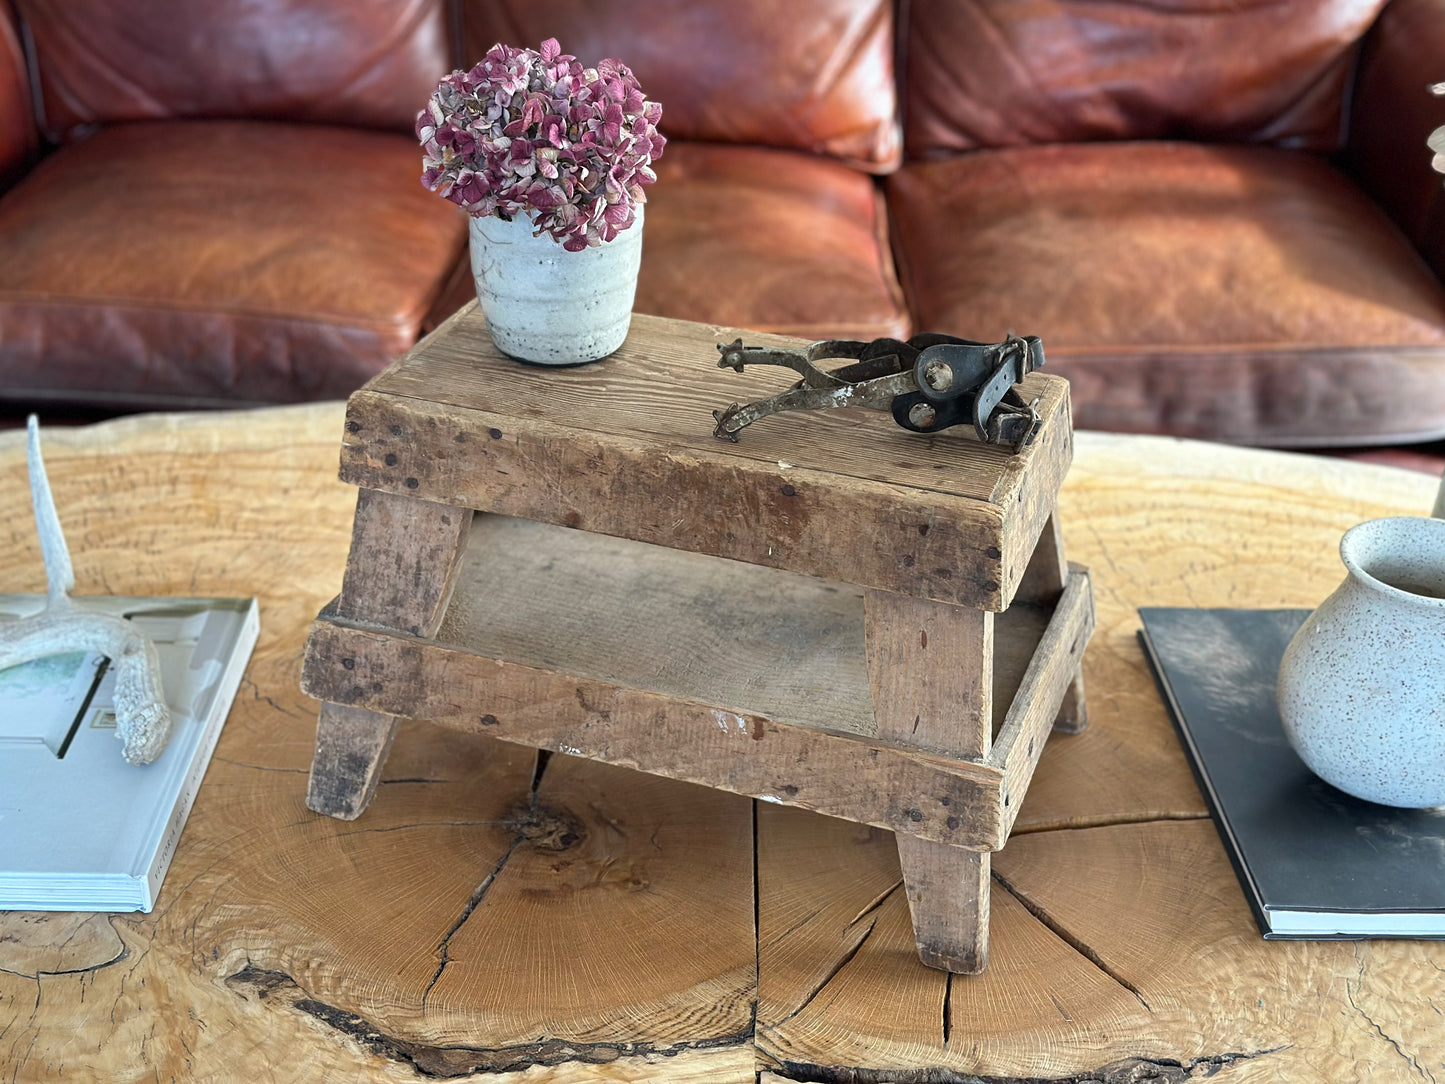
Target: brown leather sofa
{"points": [[1218, 214]]}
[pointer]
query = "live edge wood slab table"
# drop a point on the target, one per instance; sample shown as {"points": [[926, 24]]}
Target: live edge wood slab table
{"points": [[494, 919], [833, 613]]}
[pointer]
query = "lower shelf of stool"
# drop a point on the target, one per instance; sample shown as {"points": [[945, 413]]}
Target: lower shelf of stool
{"points": [[739, 677], [731, 675]]}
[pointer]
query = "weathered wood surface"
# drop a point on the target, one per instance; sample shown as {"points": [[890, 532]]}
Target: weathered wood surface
{"points": [[404, 552], [470, 923], [1043, 581], [291, 947], [930, 667], [864, 780], [1049, 688], [624, 448], [400, 572], [700, 669]]}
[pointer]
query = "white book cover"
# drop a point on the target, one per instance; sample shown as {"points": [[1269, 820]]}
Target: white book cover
{"points": [[80, 829]]}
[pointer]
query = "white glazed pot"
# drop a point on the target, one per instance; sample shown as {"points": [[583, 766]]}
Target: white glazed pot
{"points": [[546, 305], [1362, 684]]}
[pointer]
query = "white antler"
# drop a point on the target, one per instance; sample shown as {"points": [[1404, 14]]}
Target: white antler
{"points": [[142, 720]]}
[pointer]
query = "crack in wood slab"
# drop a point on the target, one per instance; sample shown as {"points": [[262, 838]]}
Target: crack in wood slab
{"points": [[757, 923], [473, 902], [843, 962], [1123, 1071], [460, 1060], [1070, 939], [123, 954], [947, 1004], [1105, 821], [876, 902], [530, 824], [1350, 997]]}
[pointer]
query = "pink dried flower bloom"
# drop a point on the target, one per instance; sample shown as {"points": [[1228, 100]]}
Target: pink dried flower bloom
{"points": [[533, 132]]}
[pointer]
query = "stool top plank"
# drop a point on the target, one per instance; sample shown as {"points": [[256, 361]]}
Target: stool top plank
{"points": [[625, 447]]}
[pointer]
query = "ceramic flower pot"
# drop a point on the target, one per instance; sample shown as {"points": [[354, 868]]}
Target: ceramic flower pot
{"points": [[549, 306], [1362, 684]]}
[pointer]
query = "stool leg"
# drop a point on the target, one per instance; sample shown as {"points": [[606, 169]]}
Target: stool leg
{"points": [[930, 669], [1073, 714], [1043, 581], [404, 556], [948, 898], [351, 747]]}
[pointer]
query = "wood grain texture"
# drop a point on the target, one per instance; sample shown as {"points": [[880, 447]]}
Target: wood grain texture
{"points": [[1162, 522], [1166, 522], [1184, 988], [403, 553], [289, 947], [930, 669], [624, 447], [1029, 486], [668, 660], [839, 774], [675, 362], [351, 749], [841, 988], [399, 574], [1046, 685], [748, 639], [1043, 581]]}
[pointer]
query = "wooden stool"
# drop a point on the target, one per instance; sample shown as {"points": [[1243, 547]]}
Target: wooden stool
{"points": [[833, 613]]}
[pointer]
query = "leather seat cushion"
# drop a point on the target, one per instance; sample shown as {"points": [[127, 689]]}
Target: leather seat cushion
{"points": [[195, 263], [1237, 293], [771, 240], [762, 239]]}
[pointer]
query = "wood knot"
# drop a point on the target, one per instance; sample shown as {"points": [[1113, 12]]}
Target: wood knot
{"points": [[547, 829]]}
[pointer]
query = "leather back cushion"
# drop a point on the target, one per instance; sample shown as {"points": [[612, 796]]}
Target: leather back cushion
{"points": [[810, 75], [367, 63], [995, 73], [17, 124]]}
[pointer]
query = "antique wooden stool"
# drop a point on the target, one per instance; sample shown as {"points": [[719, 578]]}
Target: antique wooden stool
{"points": [[833, 613]]}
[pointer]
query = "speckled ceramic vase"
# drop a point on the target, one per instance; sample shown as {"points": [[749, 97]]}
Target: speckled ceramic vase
{"points": [[1362, 684], [549, 306]]}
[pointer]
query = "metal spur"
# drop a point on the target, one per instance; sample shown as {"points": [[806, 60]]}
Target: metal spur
{"points": [[929, 383]]}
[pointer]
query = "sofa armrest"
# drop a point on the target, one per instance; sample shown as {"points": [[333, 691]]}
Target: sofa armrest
{"points": [[1392, 116]]}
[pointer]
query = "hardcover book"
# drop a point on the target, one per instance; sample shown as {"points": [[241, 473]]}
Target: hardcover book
{"points": [[80, 829], [1314, 862]]}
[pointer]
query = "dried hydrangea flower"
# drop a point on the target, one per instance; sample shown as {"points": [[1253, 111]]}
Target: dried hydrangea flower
{"points": [[533, 132]]}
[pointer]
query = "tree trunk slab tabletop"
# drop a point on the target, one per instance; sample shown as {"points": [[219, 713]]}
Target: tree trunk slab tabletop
{"points": [[498, 918], [816, 631]]}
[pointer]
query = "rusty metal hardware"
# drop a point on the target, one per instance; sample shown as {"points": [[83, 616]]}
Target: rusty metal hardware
{"points": [[929, 383]]}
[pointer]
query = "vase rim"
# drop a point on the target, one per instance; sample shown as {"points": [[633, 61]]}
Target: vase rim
{"points": [[1359, 550]]}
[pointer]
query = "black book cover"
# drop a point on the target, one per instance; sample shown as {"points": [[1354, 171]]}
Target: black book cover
{"points": [[1314, 862]]}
